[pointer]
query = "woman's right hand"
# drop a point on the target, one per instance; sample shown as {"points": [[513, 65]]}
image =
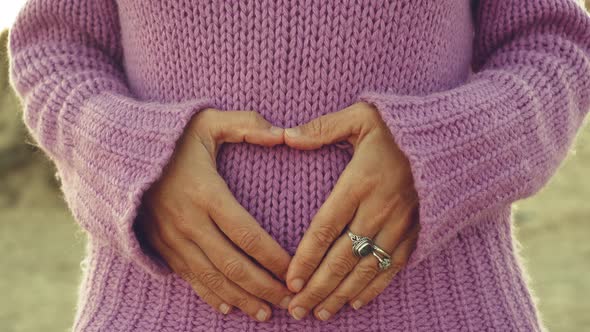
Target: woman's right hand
{"points": [[199, 229]]}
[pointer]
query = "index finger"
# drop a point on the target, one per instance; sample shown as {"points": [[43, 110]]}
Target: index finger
{"points": [[326, 129], [325, 227], [243, 230]]}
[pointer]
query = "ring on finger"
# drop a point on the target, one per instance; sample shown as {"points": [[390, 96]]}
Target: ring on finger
{"points": [[382, 256], [361, 245]]}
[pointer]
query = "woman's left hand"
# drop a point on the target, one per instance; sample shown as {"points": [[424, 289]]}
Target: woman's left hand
{"points": [[374, 197]]}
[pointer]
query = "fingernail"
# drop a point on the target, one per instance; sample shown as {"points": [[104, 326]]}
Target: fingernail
{"points": [[297, 284], [357, 304], [261, 315], [285, 302], [298, 313], [324, 314], [293, 132], [224, 308], [276, 130]]}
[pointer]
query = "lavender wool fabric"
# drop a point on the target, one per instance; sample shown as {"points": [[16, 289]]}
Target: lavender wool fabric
{"points": [[485, 107]]}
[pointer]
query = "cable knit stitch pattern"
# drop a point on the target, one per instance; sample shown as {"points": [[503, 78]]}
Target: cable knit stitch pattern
{"points": [[485, 103]]}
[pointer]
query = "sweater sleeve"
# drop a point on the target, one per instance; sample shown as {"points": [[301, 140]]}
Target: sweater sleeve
{"points": [[108, 146], [500, 136]]}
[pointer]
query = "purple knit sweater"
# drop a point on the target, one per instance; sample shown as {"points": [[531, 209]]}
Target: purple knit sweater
{"points": [[485, 107]]}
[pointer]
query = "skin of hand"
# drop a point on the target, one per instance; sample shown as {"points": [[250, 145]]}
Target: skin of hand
{"points": [[198, 228], [374, 196]]}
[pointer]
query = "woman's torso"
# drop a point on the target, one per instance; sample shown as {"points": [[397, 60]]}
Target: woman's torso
{"points": [[292, 61]]}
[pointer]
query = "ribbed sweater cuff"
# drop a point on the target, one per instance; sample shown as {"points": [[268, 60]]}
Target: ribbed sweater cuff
{"points": [[119, 148], [471, 149]]}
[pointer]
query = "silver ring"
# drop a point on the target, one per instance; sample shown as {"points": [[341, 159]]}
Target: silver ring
{"points": [[382, 256], [361, 245]]}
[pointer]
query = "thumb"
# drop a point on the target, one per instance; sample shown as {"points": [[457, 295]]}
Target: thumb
{"points": [[325, 129], [238, 126]]}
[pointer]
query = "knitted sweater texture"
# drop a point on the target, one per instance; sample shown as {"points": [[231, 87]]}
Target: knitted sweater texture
{"points": [[484, 99]]}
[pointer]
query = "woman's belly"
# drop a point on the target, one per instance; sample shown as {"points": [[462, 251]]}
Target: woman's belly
{"points": [[282, 187]]}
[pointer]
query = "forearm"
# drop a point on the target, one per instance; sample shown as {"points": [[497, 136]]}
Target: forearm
{"points": [[500, 136], [107, 145]]}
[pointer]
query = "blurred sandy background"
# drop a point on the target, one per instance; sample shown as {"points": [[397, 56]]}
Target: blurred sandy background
{"points": [[41, 246]]}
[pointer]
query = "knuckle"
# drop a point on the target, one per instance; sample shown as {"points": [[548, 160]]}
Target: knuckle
{"points": [[267, 293], [248, 240], [340, 265], [207, 295], [316, 295], [164, 205], [339, 298], [212, 279], [305, 262], [364, 183], [324, 235], [187, 275], [169, 235], [384, 214], [211, 205], [182, 223], [275, 264], [366, 272], [241, 302], [367, 179], [319, 126], [214, 203], [199, 190], [204, 120], [234, 270], [315, 127]]}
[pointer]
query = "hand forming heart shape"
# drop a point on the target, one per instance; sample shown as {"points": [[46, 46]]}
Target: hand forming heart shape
{"points": [[190, 217], [374, 197]]}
